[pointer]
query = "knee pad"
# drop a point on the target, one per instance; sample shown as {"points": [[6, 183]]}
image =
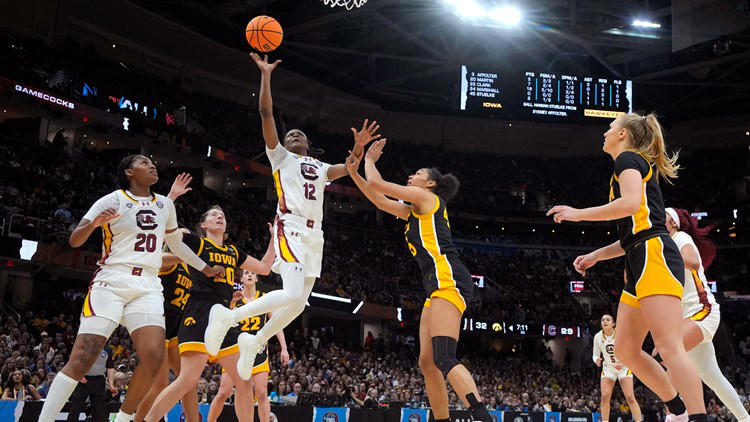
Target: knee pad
{"points": [[444, 353]]}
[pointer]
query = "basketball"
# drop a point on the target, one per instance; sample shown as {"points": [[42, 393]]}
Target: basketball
{"points": [[264, 33]]}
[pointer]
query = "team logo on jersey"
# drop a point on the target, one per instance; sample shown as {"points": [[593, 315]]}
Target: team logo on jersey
{"points": [[610, 349], [160, 204], [189, 321], [309, 171], [146, 219]]}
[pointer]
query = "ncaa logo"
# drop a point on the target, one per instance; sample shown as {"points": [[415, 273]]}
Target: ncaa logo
{"points": [[415, 418], [129, 205], [330, 417], [160, 204]]}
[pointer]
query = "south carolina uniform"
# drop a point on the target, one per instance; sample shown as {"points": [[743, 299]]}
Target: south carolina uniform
{"points": [[300, 185], [126, 288], [698, 303], [205, 291], [429, 240], [605, 347], [653, 264], [177, 285], [251, 326]]}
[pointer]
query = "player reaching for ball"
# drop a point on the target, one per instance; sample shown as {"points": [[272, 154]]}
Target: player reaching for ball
{"points": [[300, 182], [613, 370], [654, 275], [447, 282]]}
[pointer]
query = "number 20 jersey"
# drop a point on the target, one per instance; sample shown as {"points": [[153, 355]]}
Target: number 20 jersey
{"points": [[300, 182], [135, 238]]}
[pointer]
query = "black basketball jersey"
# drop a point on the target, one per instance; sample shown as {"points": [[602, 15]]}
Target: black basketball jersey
{"points": [[177, 285], [430, 242], [218, 289], [253, 324], [650, 219]]}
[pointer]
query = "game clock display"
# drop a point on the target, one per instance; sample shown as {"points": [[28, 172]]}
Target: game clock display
{"points": [[543, 95], [505, 328]]}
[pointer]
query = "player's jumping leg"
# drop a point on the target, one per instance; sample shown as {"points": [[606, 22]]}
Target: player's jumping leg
{"points": [[704, 357], [437, 393]]}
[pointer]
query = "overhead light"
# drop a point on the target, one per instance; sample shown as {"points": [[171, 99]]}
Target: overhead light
{"points": [[468, 9], [646, 24], [506, 15]]}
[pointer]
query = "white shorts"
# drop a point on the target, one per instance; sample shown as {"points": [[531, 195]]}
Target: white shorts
{"points": [[708, 323], [613, 374], [296, 242], [117, 297]]}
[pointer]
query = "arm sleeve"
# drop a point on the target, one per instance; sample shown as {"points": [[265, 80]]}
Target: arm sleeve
{"points": [[631, 160], [324, 169], [277, 155], [104, 203], [172, 216], [192, 241], [183, 251], [597, 349]]}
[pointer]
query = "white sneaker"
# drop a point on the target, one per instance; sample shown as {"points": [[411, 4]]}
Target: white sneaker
{"points": [[220, 320], [249, 348]]}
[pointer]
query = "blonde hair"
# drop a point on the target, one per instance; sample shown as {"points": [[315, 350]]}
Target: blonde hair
{"points": [[647, 139]]}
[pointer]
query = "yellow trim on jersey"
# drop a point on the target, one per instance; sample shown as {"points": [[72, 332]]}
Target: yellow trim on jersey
{"points": [[263, 367], [629, 299], [193, 346], [286, 252], [641, 219], [200, 248], [227, 351], [87, 309], [221, 248], [450, 294], [430, 214], [172, 342], [279, 191], [443, 269], [185, 267], [153, 196], [169, 271], [656, 276], [107, 231]]}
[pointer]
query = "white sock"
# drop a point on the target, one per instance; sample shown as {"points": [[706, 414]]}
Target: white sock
{"points": [[284, 316], [123, 417], [59, 392], [293, 279], [704, 357]]}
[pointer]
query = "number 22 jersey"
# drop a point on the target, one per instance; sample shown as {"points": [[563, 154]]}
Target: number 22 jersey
{"points": [[300, 182]]}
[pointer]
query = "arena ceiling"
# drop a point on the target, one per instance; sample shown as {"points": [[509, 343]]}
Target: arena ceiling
{"points": [[406, 54]]}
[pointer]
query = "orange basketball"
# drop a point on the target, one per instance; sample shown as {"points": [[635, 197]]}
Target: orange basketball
{"points": [[264, 33]]}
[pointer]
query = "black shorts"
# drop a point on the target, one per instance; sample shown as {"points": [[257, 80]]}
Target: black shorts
{"points": [[653, 266], [172, 321], [192, 329], [450, 281]]}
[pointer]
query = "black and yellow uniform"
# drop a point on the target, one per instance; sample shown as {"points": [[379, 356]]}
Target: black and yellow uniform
{"points": [[177, 284], [429, 239], [653, 264], [251, 326], [206, 291]]}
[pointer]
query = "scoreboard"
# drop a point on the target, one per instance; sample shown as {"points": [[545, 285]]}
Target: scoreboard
{"points": [[543, 95]]}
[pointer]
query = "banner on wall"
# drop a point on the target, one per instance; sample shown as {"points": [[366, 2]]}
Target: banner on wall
{"points": [[552, 417], [577, 417], [415, 415], [330, 414], [11, 410], [523, 416], [497, 415]]}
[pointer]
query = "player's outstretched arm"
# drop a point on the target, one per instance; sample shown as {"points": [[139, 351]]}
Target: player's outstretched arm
{"points": [[84, 229], [364, 136], [378, 199], [265, 102]]}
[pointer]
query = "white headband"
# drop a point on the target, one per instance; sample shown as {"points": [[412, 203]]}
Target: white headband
{"points": [[672, 213]]}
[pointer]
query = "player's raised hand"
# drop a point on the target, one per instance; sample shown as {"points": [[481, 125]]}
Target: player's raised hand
{"points": [[584, 262], [562, 213], [263, 64], [599, 361], [215, 271], [352, 163], [367, 134], [180, 186], [105, 217], [375, 150]]}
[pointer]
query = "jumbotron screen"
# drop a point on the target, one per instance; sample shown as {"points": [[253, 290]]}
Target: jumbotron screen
{"points": [[543, 95]]}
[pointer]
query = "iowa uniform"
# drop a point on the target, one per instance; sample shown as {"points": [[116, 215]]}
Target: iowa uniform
{"points": [[176, 282], [205, 291], [605, 347], [251, 326], [653, 265], [428, 237]]}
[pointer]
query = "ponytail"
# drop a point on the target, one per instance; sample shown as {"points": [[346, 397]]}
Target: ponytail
{"points": [[706, 246], [647, 139], [446, 185]]}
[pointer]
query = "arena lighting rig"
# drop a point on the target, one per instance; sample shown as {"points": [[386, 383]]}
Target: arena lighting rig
{"points": [[505, 15]]}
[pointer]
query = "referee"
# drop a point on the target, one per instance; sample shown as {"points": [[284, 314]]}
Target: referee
{"points": [[95, 386]]}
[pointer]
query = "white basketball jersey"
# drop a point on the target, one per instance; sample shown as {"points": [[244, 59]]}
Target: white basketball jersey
{"points": [[605, 347], [300, 183], [136, 237], [696, 296]]}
